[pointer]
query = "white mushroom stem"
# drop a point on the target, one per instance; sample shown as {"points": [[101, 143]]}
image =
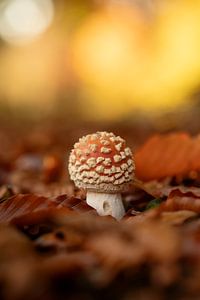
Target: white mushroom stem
{"points": [[106, 204]]}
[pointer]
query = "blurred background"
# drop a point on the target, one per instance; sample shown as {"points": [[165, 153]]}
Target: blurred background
{"points": [[69, 68], [134, 62]]}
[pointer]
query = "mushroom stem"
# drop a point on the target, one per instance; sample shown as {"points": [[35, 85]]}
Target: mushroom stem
{"points": [[106, 204]]}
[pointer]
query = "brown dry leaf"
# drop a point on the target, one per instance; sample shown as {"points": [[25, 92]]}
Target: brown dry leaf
{"points": [[62, 239], [28, 209], [165, 274], [164, 188], [177, 217], [134, 217], [116, 252], [160, 241], [181, 201], [76, 204], [67, 265], [18, 264], [195, 191], [191, 241], [174, 154], [31, 209]]}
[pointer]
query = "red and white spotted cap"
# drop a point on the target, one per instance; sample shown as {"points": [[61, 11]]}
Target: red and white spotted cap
{"points": [[101, 162]]}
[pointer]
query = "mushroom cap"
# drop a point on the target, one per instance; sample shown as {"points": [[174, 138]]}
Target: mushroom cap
{"points": [[101, 162]]}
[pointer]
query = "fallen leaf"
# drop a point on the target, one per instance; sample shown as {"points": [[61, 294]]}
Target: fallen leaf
{"points": [[177, 217], [28, 209], [181, 201], [169, 155]]}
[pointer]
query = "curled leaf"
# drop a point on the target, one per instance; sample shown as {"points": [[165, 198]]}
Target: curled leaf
{"points": [[174, 154], [177, 217], [162, 156], [181, 201]]}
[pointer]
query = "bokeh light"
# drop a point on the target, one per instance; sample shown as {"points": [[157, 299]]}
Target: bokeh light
{"points": [[106, 60], [21, 21], [109, 50], [127, 62]]}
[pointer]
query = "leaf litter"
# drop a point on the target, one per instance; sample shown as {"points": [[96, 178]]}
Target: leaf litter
{"points": [[54, 246]]}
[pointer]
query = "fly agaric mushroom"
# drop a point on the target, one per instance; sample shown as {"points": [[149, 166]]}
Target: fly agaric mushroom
{"points": [[103, 165]]}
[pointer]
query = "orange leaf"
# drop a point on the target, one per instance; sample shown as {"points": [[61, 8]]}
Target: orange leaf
{"points": [[167, 155]]}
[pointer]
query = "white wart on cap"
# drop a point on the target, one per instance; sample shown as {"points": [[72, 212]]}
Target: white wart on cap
{"points": [[101, 163]]}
